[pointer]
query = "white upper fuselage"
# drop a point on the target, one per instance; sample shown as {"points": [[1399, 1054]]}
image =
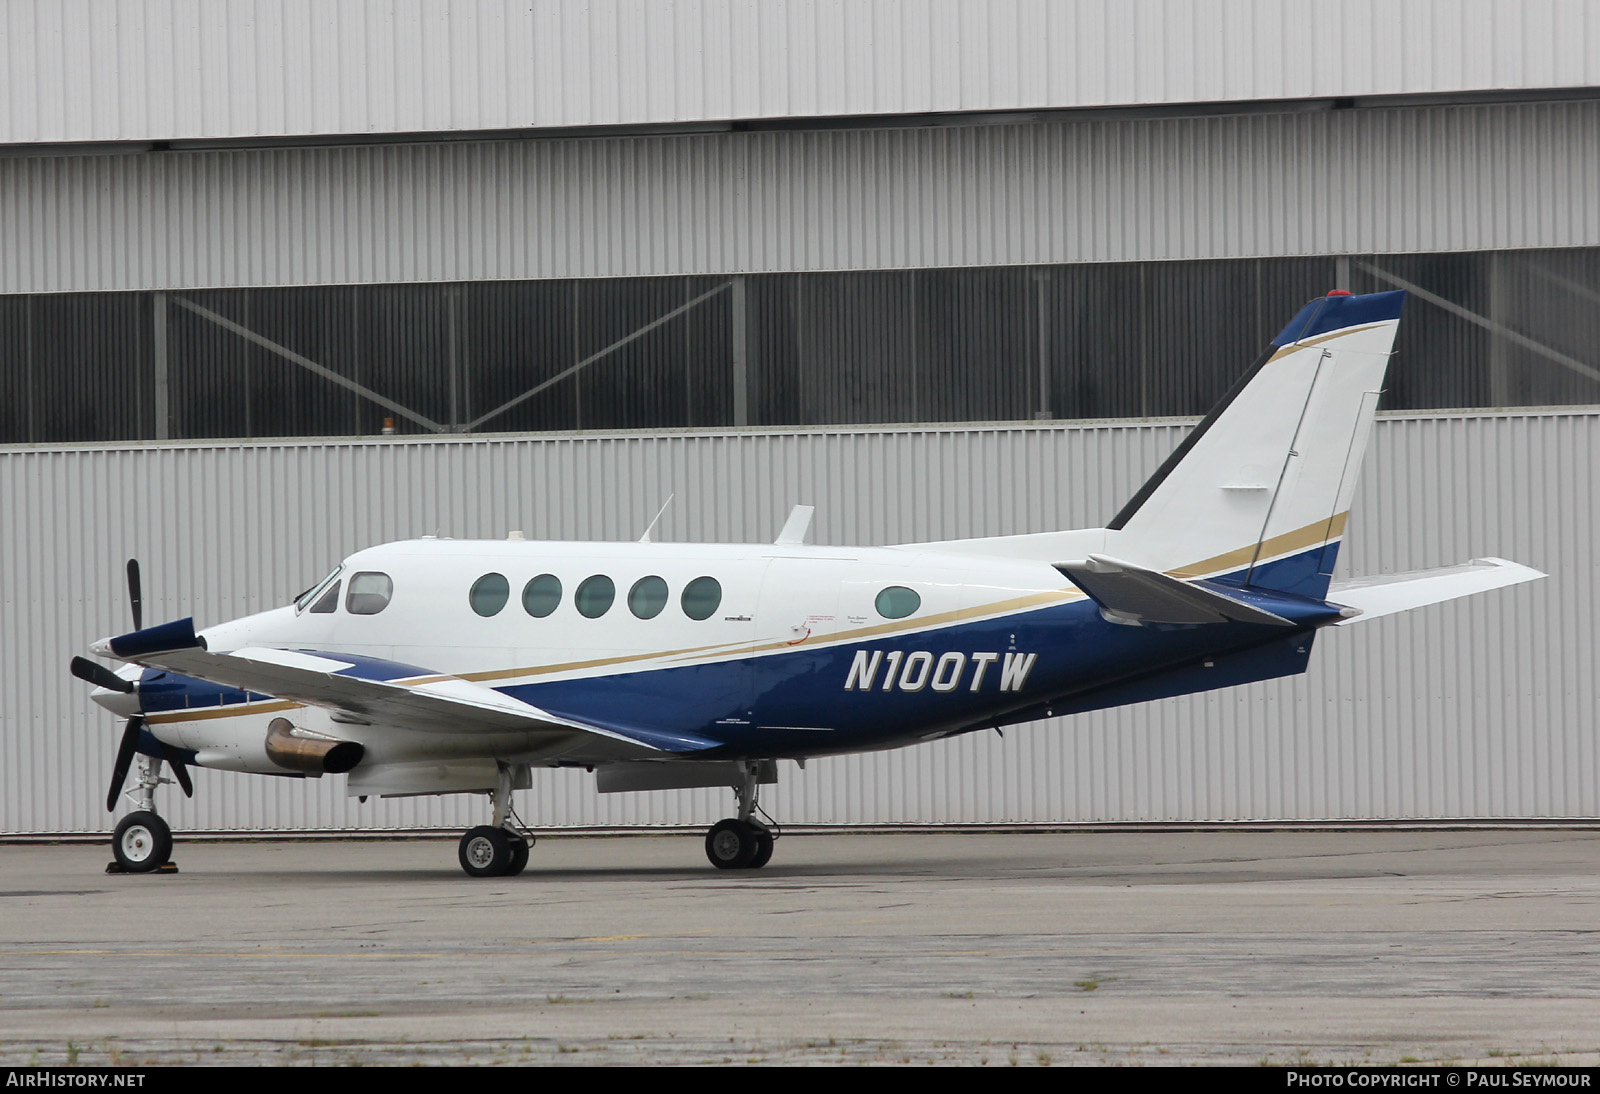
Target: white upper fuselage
{"points": [[769, 656], [790, 594]]}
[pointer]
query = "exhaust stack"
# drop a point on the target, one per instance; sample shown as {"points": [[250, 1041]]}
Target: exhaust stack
{"points": [[309, 752]]}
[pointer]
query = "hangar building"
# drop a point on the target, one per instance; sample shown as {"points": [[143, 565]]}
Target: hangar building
{"points": [[280, 279]]}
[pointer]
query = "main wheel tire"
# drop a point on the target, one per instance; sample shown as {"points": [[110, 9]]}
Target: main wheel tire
{"points": [[764, 842], [142, 842], [731, 845], [486, 851], [519, 855]]}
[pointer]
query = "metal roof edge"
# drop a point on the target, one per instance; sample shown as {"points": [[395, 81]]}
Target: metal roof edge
{"points": [[881, 429]]}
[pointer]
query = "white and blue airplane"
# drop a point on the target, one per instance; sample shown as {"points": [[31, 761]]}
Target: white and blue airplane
{"points": [[437, 666]]}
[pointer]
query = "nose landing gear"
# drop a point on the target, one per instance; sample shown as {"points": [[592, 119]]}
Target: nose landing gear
{"points": [[142, 843]]}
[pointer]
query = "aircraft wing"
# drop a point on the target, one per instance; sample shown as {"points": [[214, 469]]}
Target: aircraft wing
{"points": [[366, 689], [1380, 596]]}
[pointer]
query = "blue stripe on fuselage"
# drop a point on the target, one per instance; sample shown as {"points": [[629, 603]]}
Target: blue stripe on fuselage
{"points": [[796, 703]]}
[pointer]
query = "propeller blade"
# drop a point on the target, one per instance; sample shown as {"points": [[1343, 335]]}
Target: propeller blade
{"points": [[135, 594], [179, 768], [125, 751], [101, 677]]}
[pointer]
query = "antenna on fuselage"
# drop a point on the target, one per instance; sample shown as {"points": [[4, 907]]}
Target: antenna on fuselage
{"points": [[647, 532]]}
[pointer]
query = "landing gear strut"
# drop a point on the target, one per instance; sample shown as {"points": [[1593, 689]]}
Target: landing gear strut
{"points": [[742, 843], [496, 850], [142, 843]]}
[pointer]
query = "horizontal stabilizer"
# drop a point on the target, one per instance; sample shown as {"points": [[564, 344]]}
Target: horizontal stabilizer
{"points": [[1380, 596], [1132, 594]]}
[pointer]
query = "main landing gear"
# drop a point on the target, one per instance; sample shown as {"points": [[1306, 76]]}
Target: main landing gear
{"points": [[142, 843], [487, 851], [742, 842], [496, 850]]}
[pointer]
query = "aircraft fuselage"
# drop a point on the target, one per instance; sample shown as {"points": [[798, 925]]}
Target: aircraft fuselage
{"points": [[796, 658]]}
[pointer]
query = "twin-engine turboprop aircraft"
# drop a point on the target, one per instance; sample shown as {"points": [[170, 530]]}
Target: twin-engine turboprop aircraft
{"points": [[438, 666]]}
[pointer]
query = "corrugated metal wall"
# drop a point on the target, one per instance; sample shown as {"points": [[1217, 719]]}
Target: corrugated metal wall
{"points": [[1484, 708], [87, 70], [1454, 178]]}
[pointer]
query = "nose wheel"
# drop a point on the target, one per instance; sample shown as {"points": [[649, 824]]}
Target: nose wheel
{"points": [[142, 843]]}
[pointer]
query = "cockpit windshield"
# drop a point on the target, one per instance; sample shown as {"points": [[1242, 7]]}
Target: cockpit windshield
{"points": [[310, 595]]}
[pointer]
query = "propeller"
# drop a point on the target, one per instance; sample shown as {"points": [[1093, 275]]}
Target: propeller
{"points": [[179, 768], [125, 751], [97, 674], [135, 595]]}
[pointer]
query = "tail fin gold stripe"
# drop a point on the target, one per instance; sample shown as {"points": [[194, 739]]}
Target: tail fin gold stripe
{"points": [[1287, 543]]}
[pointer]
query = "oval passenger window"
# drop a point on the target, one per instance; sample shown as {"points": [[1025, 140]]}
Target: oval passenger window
{"points": [[647, 597], [542, 595], [897, 602], [594, 596], [489, 594], [701, 597]]}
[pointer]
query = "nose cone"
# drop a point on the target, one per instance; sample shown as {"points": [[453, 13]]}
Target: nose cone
{"points": [[124, 704]]}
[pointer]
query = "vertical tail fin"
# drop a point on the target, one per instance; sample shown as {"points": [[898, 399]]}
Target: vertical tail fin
{"points": [[1259, 492]]}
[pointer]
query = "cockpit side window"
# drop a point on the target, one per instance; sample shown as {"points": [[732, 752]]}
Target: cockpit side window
{"points": [[309, 597], [329, 601], [369, 593]]}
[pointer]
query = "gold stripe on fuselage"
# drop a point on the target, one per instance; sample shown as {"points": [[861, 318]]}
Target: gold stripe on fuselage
{"points": [[741, 649], [237, 711]]}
